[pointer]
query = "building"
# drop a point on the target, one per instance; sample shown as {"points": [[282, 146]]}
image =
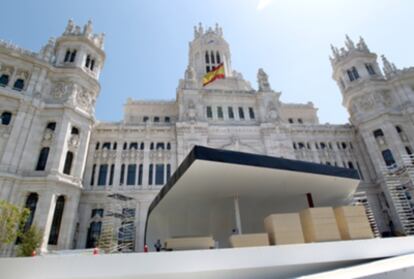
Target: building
{"points": [[62, 164]]}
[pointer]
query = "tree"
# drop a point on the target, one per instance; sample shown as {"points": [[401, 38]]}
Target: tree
{"points": [[12, 220], [30, 241]]}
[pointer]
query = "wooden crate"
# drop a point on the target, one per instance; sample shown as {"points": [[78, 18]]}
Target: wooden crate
{"points": [[353, 222], [249, 240], [319, 224], [284, 228]]}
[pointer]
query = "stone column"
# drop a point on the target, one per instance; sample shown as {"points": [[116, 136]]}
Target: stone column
{"points": [[58, 150], [44, 216], [68, 224], [84, 212]]}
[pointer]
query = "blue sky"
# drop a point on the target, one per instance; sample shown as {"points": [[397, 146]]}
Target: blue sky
{"points": [[147, 41]]}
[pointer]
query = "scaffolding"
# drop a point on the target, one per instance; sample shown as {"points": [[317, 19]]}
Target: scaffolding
{"points": [[118, 224], [360, 198], [399, 182]]}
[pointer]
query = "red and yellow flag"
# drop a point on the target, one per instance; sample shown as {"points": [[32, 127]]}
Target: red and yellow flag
{"points": [[216, 73]]}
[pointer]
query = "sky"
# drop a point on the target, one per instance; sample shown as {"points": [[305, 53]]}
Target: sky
{"points": [[146, 42]]}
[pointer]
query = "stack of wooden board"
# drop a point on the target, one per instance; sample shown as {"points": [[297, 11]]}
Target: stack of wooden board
{"points": [[249, 240], [188, 243], [353, 222], [284, 228], [319, 224]]}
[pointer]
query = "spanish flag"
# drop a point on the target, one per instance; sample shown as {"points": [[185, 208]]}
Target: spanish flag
{"points": [[216, 73]]}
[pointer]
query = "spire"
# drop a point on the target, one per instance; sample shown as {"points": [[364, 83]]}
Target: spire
{"points": [[200, 28], [349, 43], [87, 28], [362, 45], [69, 27], [388, 67], [335, 52]]}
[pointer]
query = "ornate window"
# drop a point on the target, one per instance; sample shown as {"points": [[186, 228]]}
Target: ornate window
{"points": [[132, 174], [212, 58], [220, 112], [74, 131], [111, 175], [142, 146], [73, 56], [241, 113], [207, 58], [388, 157], [92, 64], [159, 174], [218, 57], [160, 145], [355, 73], [106, 145], [97, 212], [150, 174], [251, 113], [94, 232], [370, 69], [378, 133], [103, 171], [4, 80], [18, 84], [122, 175], [67, 56], [230, 112], [133, 145], [57, 220], [68, 163], [31, 204], [6, 118], [93, 175], [140, 174], [51, 126], [209, 112], [42, 161], [88, 61]]}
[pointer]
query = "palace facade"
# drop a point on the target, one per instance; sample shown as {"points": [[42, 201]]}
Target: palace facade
{"points": [[62, 164]]}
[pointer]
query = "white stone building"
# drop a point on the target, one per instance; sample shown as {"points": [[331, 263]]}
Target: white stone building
{"points": [[57, 160]]}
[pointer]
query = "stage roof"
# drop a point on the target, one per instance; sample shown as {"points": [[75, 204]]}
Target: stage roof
{"points": [[209, 179]]}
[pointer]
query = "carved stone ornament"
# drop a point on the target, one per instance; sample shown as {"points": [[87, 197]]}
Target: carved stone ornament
{"points": [[74, 141], [59, 91], [263, 80], [272, 112], [191, 111]]}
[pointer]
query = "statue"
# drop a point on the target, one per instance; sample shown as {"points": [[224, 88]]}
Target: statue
{"points": [[190, 73], [69, 27], [263, 81], [191, 111]]}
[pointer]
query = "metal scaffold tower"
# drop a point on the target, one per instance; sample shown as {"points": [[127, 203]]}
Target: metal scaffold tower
{"points": [[118, 224], [360, 198], [400, 182]]}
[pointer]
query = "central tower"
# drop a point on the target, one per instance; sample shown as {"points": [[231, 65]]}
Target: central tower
{"points": [[208, 50]]}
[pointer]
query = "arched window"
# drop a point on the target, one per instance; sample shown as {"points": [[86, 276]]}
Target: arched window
{"points": [[388, 157], [92, 64], [73, 56], [94, 232], [42, 161], [378, 133], [142, 146], [4, 80], [6, 118], [51, 126], [18, 84], [218, 57], [68, 163], [31, 204], [207, 58], [88, 61], [355, 73], [75, 131], [67, 56], [57, 220], [212, 58]]}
